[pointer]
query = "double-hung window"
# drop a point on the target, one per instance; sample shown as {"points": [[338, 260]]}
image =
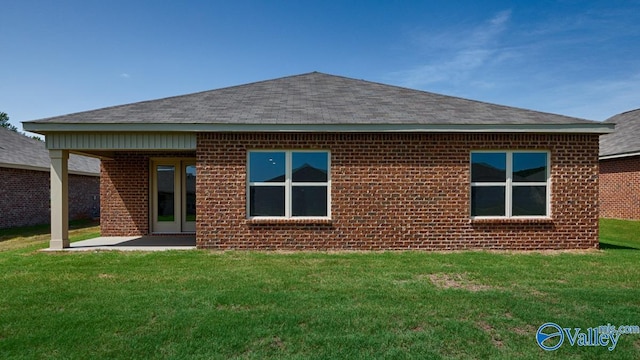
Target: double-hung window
{"points": [[510, 184], [288, 184]]}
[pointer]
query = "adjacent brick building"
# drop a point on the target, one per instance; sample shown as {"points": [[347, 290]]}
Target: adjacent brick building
{"points": [[24, 182], [620, 168], [317, 161]]}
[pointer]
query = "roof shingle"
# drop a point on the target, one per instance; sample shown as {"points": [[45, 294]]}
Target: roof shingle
{"points": [[626, 137], [314, 98], [17, 150]]}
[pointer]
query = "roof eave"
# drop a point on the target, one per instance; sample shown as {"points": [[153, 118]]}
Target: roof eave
{"points": [[619, 155], [591, 128], [45, 169]]}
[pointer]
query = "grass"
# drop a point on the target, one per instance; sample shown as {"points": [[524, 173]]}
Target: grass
{"points": [[619, 234], [39, 235], [253, 305]]}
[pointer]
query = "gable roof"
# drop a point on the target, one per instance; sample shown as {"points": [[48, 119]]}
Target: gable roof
{"points": [[21, 152], [314, 102], [625, 141]]}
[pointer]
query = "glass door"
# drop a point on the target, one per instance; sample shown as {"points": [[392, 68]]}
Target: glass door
{"points": [[173, 196], [166, 201]]}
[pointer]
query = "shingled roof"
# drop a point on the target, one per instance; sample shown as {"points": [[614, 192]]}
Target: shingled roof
{"points": [[625, 141], [22, 152], [313, 99]]}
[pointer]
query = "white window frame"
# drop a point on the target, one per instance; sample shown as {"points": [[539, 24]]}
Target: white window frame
{"points": [[288, 184], [509, 184]]}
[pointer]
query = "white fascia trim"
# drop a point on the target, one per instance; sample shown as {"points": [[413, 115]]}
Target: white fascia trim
{"points": [[595, 128], [38, 168], [618, 156]]}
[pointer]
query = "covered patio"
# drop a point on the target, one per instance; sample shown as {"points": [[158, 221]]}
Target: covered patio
{"points": [[142, 188]]}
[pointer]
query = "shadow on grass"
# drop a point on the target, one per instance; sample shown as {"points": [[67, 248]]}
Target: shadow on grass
{"points": [[44, 229], [27, 231], [605, 246]]}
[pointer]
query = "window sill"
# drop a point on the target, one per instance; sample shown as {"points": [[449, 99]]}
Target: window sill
{"points": [[512, 220], [289, 221]]}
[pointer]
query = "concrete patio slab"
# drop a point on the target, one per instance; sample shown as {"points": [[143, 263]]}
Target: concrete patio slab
{"points": [[134, 243]]}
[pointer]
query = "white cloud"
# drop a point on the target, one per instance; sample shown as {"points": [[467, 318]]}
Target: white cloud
{"points": [[459, 53], [125, 75], [489, 31], [451, 70]]}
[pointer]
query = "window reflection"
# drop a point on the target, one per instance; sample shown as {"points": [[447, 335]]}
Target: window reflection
{"points": [[266, 166], [529, 200], [166, 198], [309, 166], [529, 167], [288, 183], [266, 201], [309, 201], [488, 167], [488, 201]]}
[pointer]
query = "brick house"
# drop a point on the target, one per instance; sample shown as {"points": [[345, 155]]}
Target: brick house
{"points": [[620, 168], [317, 161], [24, 182]]}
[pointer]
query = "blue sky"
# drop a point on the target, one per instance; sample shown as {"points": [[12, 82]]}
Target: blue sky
{"points": [[577, 58]]}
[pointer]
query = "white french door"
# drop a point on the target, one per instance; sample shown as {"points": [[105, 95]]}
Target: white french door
{"points": [[173, 184]]}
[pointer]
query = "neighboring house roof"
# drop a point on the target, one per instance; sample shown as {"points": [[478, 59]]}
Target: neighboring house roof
{"points": [[21, 152], [625, 141], [314, 102]]}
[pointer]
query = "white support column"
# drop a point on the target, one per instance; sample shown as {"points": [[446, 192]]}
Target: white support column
{"points": [[59, 199]]}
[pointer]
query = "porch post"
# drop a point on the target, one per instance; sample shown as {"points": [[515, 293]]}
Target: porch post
{"points": [[59, 199]]}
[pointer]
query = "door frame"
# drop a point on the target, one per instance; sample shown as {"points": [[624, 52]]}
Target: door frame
{"points": [[179, 225], [185, 226]]}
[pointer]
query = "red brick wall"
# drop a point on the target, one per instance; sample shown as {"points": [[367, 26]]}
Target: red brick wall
{"points": [[620, 188], [397, 191], [84, 197], [25, 197], [124, 193]]}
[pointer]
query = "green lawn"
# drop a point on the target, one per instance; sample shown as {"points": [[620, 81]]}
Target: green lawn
{"points": [[38, 236], [619, 234], [204, 305]]}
